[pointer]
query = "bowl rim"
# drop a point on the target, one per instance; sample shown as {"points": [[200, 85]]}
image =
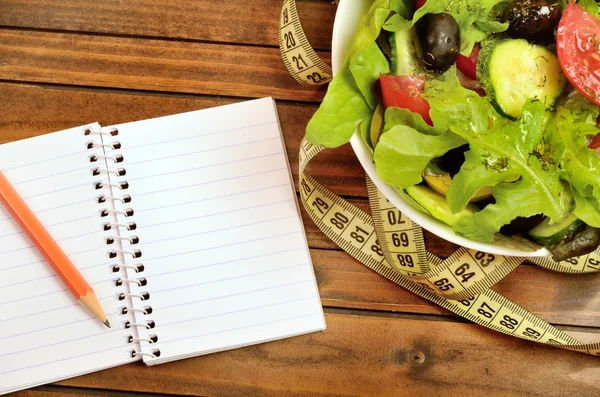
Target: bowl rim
{"points": [[349, 13]]}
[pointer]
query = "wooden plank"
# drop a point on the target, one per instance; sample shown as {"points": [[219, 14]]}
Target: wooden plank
{"points": [[153, 65], [360, 355], [29, 110], [208, 20], [556, 298], [58, 391]]}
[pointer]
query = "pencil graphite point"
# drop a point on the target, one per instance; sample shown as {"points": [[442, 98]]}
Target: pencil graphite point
{"points": [[107, 323]]}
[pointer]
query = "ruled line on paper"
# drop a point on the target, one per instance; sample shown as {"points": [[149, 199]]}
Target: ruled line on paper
{"points": [[195, 135], [211, 198], [204, 167], [58, 241], [53, 224], [222, 246], [44, 160], [70, 254], [187, 320], [53, 208], [229, 278], [52, 327], [209, 182], [244, 327], [123, 346], [39, 178], [217, 213], [129, 164], [104, 332], [154, 307], [90, 184]]}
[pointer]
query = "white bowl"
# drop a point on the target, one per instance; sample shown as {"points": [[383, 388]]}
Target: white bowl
{"points": [[348, 16]]}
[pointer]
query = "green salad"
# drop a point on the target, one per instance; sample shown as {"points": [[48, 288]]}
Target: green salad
{"points": [[484, 112]]}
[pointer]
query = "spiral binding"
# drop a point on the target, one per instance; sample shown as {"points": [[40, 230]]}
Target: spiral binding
{"points": [[118, 224]]}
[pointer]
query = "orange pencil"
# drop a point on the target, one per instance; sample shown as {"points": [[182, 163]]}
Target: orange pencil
{"points": [[53, 254]]}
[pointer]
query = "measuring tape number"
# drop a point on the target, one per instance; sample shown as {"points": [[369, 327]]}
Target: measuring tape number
{"points": [[392, 245]]}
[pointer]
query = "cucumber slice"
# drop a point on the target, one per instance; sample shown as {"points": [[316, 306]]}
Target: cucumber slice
{"points": [[405, 53], [513, 71], [436, 205], [547, 234]]}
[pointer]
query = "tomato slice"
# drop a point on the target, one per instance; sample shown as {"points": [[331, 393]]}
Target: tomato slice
{"points": [[468, 65], [405, 92], [419, 3], [595, 143], [578, 48]]}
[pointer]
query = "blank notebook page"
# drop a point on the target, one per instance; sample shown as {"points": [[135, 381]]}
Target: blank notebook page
{"points": [[45, 334], [223, 246]]}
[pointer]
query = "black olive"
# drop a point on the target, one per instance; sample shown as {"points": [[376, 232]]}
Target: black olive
{"points": [[440, 41], [533, 20]]}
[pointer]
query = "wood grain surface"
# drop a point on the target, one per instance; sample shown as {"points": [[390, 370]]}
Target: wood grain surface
{"points": [[66, 63]]}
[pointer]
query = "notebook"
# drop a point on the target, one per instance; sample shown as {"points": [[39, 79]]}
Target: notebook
{"points": [[187, 228]]}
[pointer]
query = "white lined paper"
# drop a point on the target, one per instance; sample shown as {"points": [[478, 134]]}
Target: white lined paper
{"points": [[45, 335], [223, 244]]}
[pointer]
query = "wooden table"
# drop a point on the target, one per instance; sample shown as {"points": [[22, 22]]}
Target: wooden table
{"points": [[66, 63]]}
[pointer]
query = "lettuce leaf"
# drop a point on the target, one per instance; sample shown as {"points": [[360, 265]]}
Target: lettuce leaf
{"points": [[502, 154], [566, 141], [590, 6], [398, 116], [587, 209], [476, 19], [341, 111], [402, 153], [350, 101]]}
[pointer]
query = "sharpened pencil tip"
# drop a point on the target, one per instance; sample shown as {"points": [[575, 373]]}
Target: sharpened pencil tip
{"points": [[107, 323]]}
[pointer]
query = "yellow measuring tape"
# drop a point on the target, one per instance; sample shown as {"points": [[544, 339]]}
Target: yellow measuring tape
{"points": [[391, 244]]}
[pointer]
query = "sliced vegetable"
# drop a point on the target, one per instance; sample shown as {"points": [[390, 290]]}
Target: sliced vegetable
{"points": [[436, 205], [513, 71], [549, 234], [405, 92], [404, 53], [419, 3], [440, 41], [595, 142], [533, 20], [578, 48], [468, 65]]}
